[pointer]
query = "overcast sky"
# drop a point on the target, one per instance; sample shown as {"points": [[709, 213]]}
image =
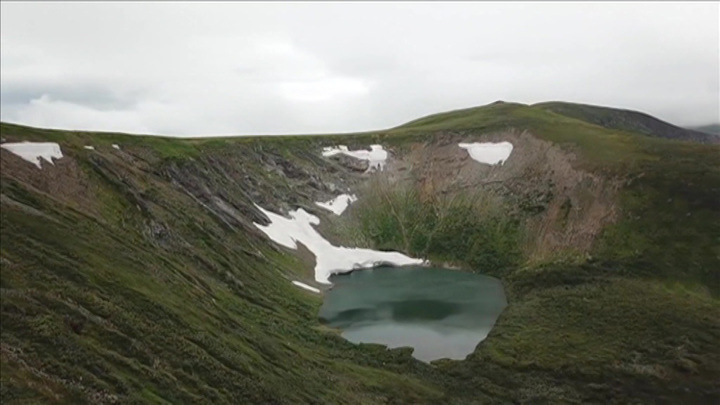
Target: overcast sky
{"points": [[268, 68]]}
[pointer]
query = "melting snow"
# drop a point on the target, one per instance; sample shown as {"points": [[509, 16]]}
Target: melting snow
{"points": [[376, 156], [329, 259], [33, 151], [489, 152], [115, 146], [89, 147], [307, 287], [338, 204]]}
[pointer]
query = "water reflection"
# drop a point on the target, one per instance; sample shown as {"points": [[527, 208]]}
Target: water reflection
{"points": [[440, 313]]}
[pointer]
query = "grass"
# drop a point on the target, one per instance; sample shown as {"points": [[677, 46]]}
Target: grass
{"points": [[670, 226], [101, 307], [604, 340], [472, 230]]}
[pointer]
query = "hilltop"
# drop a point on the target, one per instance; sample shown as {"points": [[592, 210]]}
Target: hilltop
{"points": [[626, 120], [135, 272]]}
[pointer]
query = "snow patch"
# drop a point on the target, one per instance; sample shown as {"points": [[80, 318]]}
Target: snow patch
{"points": [[338, 204], [306, 287], [33, 151], [329, 259], [115, 146], [489, 152], [376, 156], [89, 147]]}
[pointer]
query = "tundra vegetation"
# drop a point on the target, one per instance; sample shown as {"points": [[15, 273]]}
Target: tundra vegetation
{"points": [[134, 274]]}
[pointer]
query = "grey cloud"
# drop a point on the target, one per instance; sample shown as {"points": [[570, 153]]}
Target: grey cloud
{"points": [[244, 68], [102, 98]]}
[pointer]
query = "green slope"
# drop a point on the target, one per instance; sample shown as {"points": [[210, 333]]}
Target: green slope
{"points": [[627, 120], [123, 278], [142, 294]]}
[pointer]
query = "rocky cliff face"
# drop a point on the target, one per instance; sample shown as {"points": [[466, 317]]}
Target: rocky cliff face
{"points": [[564, 206]]}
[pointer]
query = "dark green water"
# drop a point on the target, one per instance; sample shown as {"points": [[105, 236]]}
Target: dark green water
{"points": [[440, 313]]}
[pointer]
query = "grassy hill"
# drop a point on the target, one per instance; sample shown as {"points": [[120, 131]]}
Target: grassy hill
{"points": [[626, 120], [136, 275]]}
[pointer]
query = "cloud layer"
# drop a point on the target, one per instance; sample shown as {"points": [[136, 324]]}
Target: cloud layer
{"points": [[244, 68]]}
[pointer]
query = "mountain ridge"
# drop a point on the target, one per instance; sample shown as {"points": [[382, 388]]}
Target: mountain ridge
{"points": [[713, 129], [635, 121], [631, 121]]}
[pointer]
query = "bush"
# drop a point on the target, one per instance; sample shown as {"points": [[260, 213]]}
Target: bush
{"points": [[467, 228]]}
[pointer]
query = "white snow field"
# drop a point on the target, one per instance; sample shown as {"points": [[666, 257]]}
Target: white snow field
{"points": [[88, 147], [488, 152], [116, 146], [376, 156], [329, 259], [306, 287], [33, 151], [338, 204]]}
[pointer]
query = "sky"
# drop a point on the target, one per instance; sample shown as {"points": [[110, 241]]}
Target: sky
{"points": [[249, 68]]}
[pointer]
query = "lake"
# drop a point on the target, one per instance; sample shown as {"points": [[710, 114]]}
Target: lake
{"points": [[440, 313]]}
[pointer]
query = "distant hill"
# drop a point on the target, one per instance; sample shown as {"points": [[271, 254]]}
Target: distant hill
{"points": [[713, 129], [633, 121]]}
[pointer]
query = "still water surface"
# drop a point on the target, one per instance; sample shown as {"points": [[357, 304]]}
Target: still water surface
{"points": [[440, 313]]}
